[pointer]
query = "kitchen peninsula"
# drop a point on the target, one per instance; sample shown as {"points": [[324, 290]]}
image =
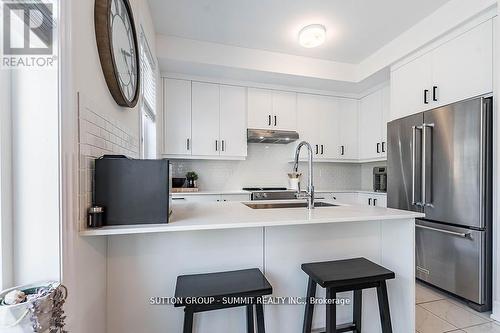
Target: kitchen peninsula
{"points": [[145, 261]]}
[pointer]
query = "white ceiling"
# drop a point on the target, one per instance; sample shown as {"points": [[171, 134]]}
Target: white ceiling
{"points": [[355, 28]]}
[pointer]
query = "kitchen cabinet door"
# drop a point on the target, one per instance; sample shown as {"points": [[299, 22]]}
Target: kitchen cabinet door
{"points": [[380, 200], [284, 115], [308, 113], [370, 128], [386, 112], [346, 198], [407, 87], [177, 117], [463, 67], [196, 198], [233, 121], [205, 119], [260, 108], [235, 197], [328, 125], [348, 129]]}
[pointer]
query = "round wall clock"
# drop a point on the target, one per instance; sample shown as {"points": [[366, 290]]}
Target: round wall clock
{"points": [[118, 49]]}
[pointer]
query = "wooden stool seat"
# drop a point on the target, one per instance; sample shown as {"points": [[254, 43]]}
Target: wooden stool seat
{"points": [[209, 291], [347, 275]]}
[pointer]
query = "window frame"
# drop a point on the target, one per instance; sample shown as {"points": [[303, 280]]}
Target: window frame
{"points": [[145, 109]]}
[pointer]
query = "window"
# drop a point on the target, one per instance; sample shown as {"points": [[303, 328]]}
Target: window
{"points": [[148, 100]]}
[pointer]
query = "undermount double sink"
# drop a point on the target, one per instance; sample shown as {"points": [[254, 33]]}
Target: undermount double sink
{"points": [[276, 205]]}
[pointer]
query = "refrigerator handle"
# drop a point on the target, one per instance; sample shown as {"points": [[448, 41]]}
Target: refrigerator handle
{"points": [[413, 164], [424, 167]]}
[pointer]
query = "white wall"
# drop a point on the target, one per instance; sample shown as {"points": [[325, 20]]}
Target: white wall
{"points": [[85, 259]]}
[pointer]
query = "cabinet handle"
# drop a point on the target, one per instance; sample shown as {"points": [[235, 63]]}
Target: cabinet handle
{"points": [[369, 201], [374, 202], [188, 144], [216, 145], [223, 145], [322, 150], [426, 99], [269, 123], [434, 93], [342, 150], [317, 149], [378, 147], [383, 147], [275, 121]]}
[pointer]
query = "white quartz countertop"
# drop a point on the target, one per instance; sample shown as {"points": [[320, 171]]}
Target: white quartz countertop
{"points": [[230, 215], [229, 192]]}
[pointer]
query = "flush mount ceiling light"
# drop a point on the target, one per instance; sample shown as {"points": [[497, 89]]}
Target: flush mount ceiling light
{"points": [[312, 35]]}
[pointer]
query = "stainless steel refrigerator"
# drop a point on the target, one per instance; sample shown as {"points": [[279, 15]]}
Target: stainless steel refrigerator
{"points": [[440, 163]]}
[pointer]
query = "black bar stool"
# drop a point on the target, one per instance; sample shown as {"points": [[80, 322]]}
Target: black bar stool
{"points": [[210, 290], [347, 275]]}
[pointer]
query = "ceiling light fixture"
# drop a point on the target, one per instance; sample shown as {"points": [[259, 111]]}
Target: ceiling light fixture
{"points": [[312, 35]]}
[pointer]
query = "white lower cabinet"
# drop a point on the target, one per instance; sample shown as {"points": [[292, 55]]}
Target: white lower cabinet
{"points": [[235, 197], [196, 198], [210, 197], [376, 200], [354, 198], [348, 198]]}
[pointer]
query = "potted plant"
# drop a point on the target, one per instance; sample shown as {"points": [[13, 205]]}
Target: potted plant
{"points": [[191, 177]]}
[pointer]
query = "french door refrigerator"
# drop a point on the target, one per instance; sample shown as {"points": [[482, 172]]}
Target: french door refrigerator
{"points": [[440, 163]]}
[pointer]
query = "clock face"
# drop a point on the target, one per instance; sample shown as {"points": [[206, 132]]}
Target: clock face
{"points": [[124, 49]]}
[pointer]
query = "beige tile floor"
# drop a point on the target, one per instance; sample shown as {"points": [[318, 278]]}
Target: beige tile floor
{"points": [[438, 313]]}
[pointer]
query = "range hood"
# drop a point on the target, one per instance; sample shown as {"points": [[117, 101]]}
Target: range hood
{"points": [[271, 136]]}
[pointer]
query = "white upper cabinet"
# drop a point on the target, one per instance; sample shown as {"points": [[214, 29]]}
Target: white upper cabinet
{"points": [[318, 125], [370, 126], [409, 87], [260, 108], [348, 128], [328, 125], [204, 120], [456, 70], [463, 67], [284, 110], [205, 124], [177, 117], [272, 109], [386, 115], [233, 121], [307, 115]]}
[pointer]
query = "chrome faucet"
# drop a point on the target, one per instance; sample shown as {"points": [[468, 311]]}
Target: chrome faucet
{"points": [[310, 186]]}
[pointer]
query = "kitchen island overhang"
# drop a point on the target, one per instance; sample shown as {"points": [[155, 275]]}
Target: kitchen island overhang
{"points": [[146, 260]]}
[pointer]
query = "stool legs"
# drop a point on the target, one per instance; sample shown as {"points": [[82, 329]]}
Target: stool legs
{"points": [[250, 327], [260, 317], [331, 311], [357, 309], [383, 305], [308, 315], [188, 320]]}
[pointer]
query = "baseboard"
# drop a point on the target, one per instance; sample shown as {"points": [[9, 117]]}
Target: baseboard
{"points": [[495, 314]]}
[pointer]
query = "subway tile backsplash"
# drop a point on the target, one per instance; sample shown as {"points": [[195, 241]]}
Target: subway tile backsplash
{"points": [[98, 135], [267, 165]]}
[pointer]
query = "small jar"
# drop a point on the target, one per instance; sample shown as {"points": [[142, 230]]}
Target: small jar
{"points": [[95, 217]]}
